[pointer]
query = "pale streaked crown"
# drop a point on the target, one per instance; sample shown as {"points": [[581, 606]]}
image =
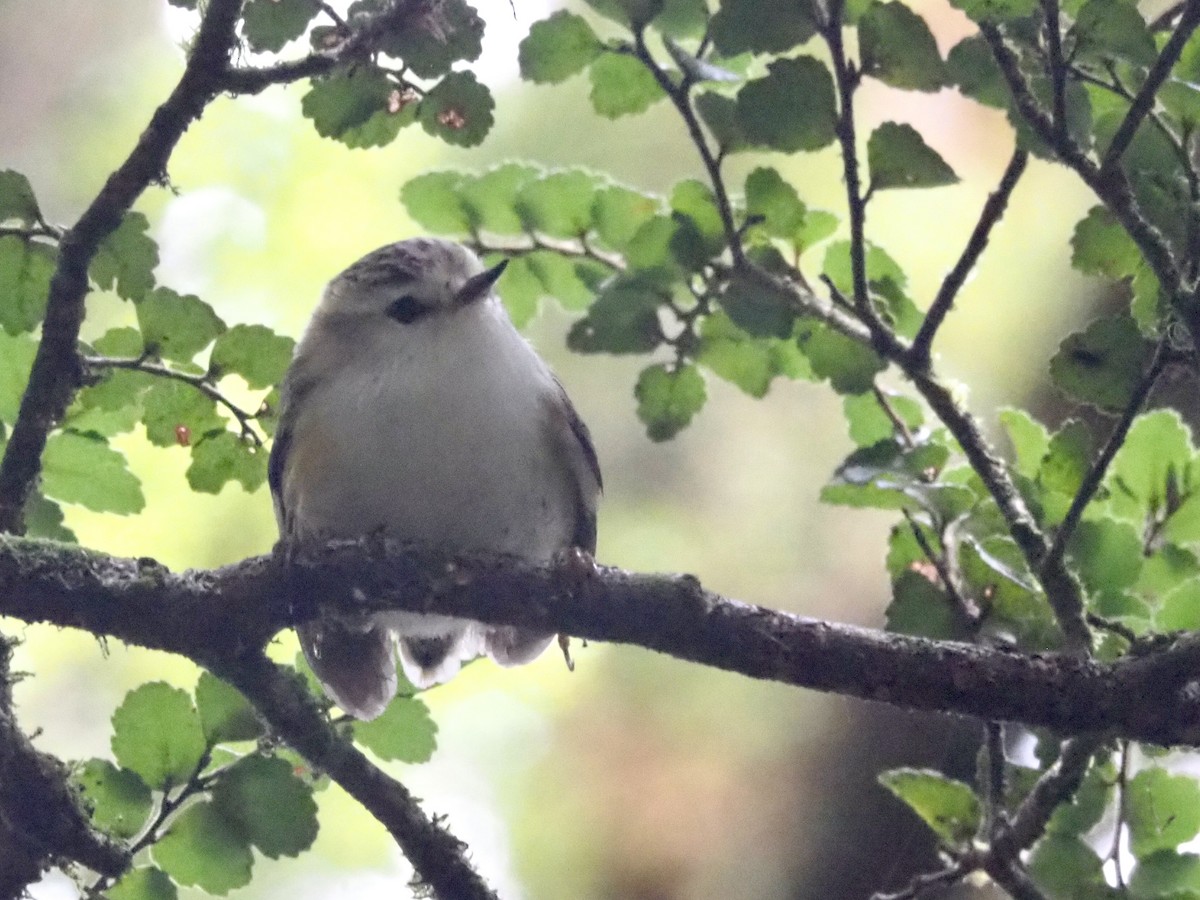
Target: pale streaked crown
{"points": [[429, 271]]}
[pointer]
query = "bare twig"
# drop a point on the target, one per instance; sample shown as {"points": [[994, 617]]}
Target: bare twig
{"points": [[992, 212], [1099, 468], [1057, 66]]}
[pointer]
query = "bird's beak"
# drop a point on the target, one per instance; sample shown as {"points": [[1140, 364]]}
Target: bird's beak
{"points": [[479, 286]]}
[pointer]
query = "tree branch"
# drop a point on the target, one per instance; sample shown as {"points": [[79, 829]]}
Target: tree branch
{"points": [[217, 617], [282, 700], [56, 370]]}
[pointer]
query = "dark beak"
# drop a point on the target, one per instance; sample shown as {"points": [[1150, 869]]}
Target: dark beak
{"points": [[479, 286]]}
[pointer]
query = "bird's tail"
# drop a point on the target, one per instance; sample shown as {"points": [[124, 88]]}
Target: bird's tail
{"points": [[356, 663]]}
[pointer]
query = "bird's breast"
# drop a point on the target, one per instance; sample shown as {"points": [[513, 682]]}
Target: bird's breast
{"points": [[452, 448]]}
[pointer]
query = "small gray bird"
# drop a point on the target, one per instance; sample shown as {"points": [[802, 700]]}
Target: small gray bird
{"points": [[414, 409]]}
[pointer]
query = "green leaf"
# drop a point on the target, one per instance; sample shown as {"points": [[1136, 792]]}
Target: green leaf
{"points": [[25, 271], [434, 203], [776, 201], [559, 204], [202, 850], [682, 18], [1066, 867], [850, 366], [1107, 555], [631, 13], [458, 109], [221, 457], [624, 319], [897, 48], [157, 734], [668, 399], [255, 352], [760, 26], [792, 108], [566, 280], [994, 571], [870, 423], [405, 732], [557, 48], [126, 259], [1152, 467], [17, 200], [721, 116], [880, 268], [617, 214], [1087, 806], [898, 157], [118, 799], [651, 253], [267, 805], [44, 519], [144, 882], [1180, 608], [622, 86], [224, 713], [971, 68], [889, 476], [1162, 811], [361, 107], [177, 414], [748, 362], [947, 806], [1029, 439], [1101, 365], [1166, 874], [1068, 458], [1149, 307], [1112, 30], [759, 308], [1100, 246], [429, 51], [83, 469], [701, 233], [16, 360], [993, 10], [269, 24], [176, 326], [490, 199], [921, 607]]}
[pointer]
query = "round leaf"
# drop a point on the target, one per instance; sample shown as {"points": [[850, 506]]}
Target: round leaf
{"points": [[157, 734], [898, 157], [622, 86], [792, 108], [668, 399], [557, 48], [202, 849], [404, 732], [458, 109], [267, 805], [118, 799]]}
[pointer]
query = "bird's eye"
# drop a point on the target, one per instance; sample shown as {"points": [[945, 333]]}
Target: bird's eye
{"points": [[406, 309]]}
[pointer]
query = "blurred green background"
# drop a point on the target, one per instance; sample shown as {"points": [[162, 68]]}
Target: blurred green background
{"points": [[637, 776]]}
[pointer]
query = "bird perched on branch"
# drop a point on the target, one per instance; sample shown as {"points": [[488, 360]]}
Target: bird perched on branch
{"points": [[414, 409]]}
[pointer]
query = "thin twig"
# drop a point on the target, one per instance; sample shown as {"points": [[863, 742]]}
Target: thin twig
{"points": [[199, 382], [846, 80], [1111, 186], [33, 231], [1099, 468], [574, 249], [1057, 66], [993, 210], [966, 610], [679, 96], [1143, 103], [924, 881]]}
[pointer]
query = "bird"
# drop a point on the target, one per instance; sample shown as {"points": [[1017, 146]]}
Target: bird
{"points": [[415, 410]]}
